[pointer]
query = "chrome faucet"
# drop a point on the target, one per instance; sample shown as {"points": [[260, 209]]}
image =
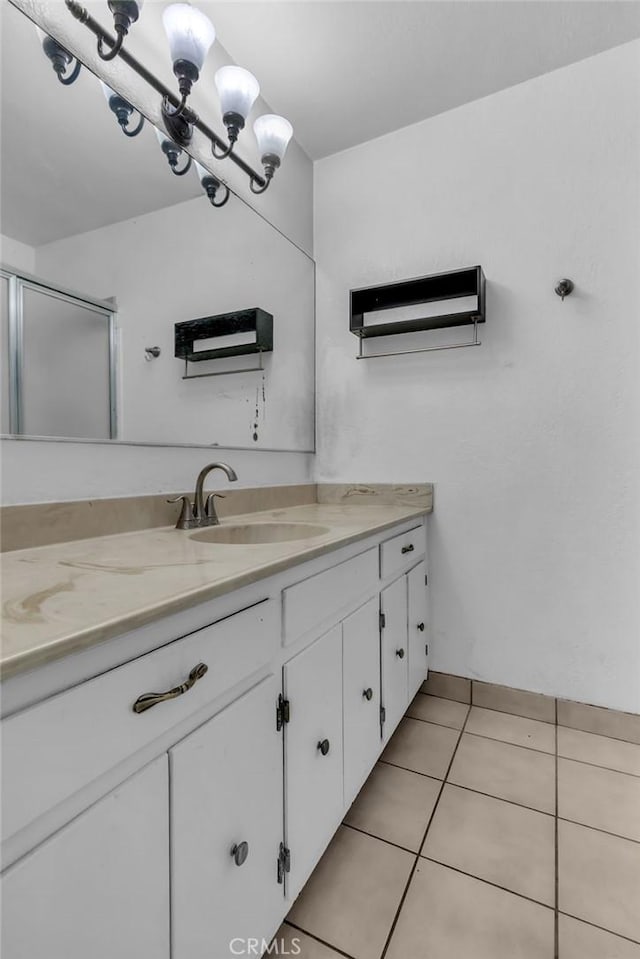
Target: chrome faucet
{"points": [[202, 512]]}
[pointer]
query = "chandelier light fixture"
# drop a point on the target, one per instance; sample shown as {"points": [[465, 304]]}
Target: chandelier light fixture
{"points": [[190, 35]]}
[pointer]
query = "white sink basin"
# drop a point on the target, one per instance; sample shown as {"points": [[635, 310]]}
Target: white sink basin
{"points": [[256, 533]]}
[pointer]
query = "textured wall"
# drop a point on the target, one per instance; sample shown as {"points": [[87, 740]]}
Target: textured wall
{"points": [[532, 439]]}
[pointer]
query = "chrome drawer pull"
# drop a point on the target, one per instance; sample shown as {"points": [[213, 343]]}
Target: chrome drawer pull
{"points": [[407, 549], [148, 700]]}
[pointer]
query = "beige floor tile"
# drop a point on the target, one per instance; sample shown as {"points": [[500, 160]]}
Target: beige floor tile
{"points": [[600, 798], [352, 897], [602, 722], [577, 940], [495, 840], [447, 915], [512, 729], [423, 747], [508, 772], [520, 702], [433, 709], [289, 941], [447, 686], [599, 878], [599, 750], [395, 804]]}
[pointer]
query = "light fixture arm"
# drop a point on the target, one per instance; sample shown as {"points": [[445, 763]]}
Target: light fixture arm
{"points": [[60, 60], [270, 162]]}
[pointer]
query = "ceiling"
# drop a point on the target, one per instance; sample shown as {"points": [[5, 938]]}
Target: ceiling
{"points": [[346, 71], [342, 72]]}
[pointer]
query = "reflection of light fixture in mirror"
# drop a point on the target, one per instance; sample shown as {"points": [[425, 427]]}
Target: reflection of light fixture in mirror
{"points": [[123, 110], [238, 90], [211, 185], [125, 12], [190, 34], [173, 153], [273, 134], [60, 58]]}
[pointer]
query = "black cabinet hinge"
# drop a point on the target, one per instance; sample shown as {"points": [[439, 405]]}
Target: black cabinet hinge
{"points": [[383, 620], [426, 649], [426, 580], [284, 862], [383, 715], [282, 712]]}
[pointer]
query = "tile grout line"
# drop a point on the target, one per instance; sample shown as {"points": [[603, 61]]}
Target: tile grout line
{"points": [[593, 925], [605, 832], [487, 882], [556, 916], [479, 792], [607, 769], [417, 858], [311, 935]]}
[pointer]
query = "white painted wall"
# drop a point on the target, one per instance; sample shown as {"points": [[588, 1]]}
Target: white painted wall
{"points": [[532, 439], [16, 254], [44, 472]]}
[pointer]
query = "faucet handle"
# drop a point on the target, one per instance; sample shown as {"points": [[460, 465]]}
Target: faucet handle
{"points": [[185, 520], [210, 506]]}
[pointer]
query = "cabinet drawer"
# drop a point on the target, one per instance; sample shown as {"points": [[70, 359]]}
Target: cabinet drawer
{"points": [[321, 598], [397, 553], [54, 749]]}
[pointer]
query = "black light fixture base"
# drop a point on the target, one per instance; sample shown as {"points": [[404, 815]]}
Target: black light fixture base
{"points": [[177, 126], [61, 60]]}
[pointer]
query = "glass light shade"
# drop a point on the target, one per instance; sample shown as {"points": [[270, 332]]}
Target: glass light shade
{"points": [[189, 32], [273, 134], [238, 90], [202, 173], [108, 92]]}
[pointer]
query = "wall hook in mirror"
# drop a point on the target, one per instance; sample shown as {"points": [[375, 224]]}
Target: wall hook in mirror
{"points": [[173, 153], [211, 185], [61, 59], [125, 12], [123, 111], [564, 288], [151, 353]]}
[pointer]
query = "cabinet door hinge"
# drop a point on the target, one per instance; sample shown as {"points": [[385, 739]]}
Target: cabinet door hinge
{"points": [[383, 715], [426, 580], [426, 649], [383, 620], [282, 712], [284, 862]]}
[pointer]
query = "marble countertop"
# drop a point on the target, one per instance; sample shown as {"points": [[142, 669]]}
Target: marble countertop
{"points": [[61, 598]]}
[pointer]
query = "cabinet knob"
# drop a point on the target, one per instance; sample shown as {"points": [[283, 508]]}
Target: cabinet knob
{"points": [[421, 627], [240, 851], [368, 693], [407, 549], [323, 746], [400, 653]]}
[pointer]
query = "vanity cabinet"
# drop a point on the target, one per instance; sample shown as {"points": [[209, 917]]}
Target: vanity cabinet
{"points": [[226, 828], [99, 887], [313, 753], [360, 695], [418, 627], [171, 831]]}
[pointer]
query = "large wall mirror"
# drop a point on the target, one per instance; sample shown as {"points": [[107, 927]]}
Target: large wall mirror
{"points": [[104, 250]]}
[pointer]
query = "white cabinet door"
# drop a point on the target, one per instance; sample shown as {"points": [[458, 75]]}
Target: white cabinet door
{"points": [[361, 696], [394, 659], [99, 888], [313, 753], [418, 628], [226, 791]]}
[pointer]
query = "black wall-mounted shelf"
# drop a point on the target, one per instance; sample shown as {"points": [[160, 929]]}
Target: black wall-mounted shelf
{"points": [[224, 324], [425, 289]]}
